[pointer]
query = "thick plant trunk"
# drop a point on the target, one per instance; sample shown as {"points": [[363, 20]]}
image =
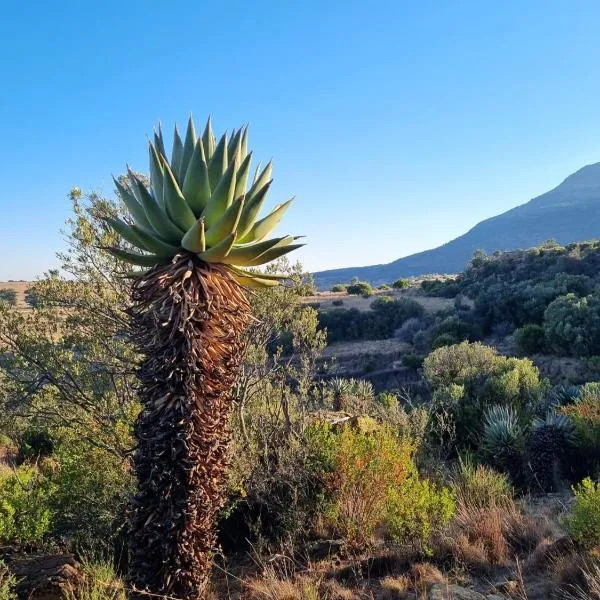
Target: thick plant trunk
{"points": [[189, 321]]}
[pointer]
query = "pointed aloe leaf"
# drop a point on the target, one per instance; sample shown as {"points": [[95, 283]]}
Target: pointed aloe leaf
{"points": [[158, 218], [261, 180], [261, 229], [245, 273], [126, 232], [221, 197], [135, 209], [226, 224], [273, 254], [154, 244], [177, 154], [241, 256], [219, 252], [141, 260], [241, 177], [176, 206], [195, 240], [257, 283], [218, 163], [234, 148], [159, 141], [156, 173], [196, 187], [245, 141], [188, 149], [208, 140], [252, 210]]}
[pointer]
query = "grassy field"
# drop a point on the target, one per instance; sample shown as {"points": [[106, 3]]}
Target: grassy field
{"points": [[19, 287]]}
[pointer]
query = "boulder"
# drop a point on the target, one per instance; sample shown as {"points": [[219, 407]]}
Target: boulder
{"points": [[44, 577]]}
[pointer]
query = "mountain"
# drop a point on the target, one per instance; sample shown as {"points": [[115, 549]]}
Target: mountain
{"points": [[568, 213]]}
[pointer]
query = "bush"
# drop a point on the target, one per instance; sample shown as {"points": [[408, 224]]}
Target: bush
{"points": [[360, 288], [412, 361], [374, 485], [339, 287], [8, 583], [385, 316], [401, 284], [25, 505], [8, 296], [35, 443], [407, 331], [572, 325], [585, 414], [466, 379], [480, 487], [338, 303], [91, 489], [530, 339], [583, 525]]}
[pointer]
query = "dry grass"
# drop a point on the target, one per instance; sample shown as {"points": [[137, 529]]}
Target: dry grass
{"points": [[484, 538]]}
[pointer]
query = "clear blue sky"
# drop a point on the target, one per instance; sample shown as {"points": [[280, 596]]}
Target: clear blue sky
{"points": [[397, 125]]}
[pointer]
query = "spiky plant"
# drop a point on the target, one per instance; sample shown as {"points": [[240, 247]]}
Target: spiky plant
{"points": [[549, 439], [341, 390], [503, 438], [196, 229]]}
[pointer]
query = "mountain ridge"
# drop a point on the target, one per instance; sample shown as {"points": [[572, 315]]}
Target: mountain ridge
{"points": [[569, 212]]}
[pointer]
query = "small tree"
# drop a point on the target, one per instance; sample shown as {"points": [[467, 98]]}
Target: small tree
{"points": [[8, 296], [360, 288], [401, 284]]}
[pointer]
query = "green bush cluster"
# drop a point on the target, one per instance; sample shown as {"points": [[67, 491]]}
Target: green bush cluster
{"points": [[373, 484], [583, 524], [25, 504], [386, 315], [401, 284], [360, 288], [468, 378], [8, 296]]}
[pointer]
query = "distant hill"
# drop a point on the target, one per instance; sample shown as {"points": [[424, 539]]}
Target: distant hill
{"points": [[568, 213]]}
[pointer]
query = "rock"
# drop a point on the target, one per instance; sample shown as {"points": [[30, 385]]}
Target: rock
{"points": [[453, 592], [44, 577], [322, 549]]}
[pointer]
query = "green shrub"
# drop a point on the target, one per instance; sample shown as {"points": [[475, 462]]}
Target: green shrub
{"points": [[35, 443], [444, 339], [385, 316], [480, 487], [384, 286], [530, 339], [401, 284], [572, 325], [583, 525], [338, 303], [99, 582], [8, 296], [416, 510], [468, 378], [387, 400], [374, 484], [91, 488], [8, 583], [25, 505], [585, 414], [412, 361], [339, 287], [360, 288]]}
